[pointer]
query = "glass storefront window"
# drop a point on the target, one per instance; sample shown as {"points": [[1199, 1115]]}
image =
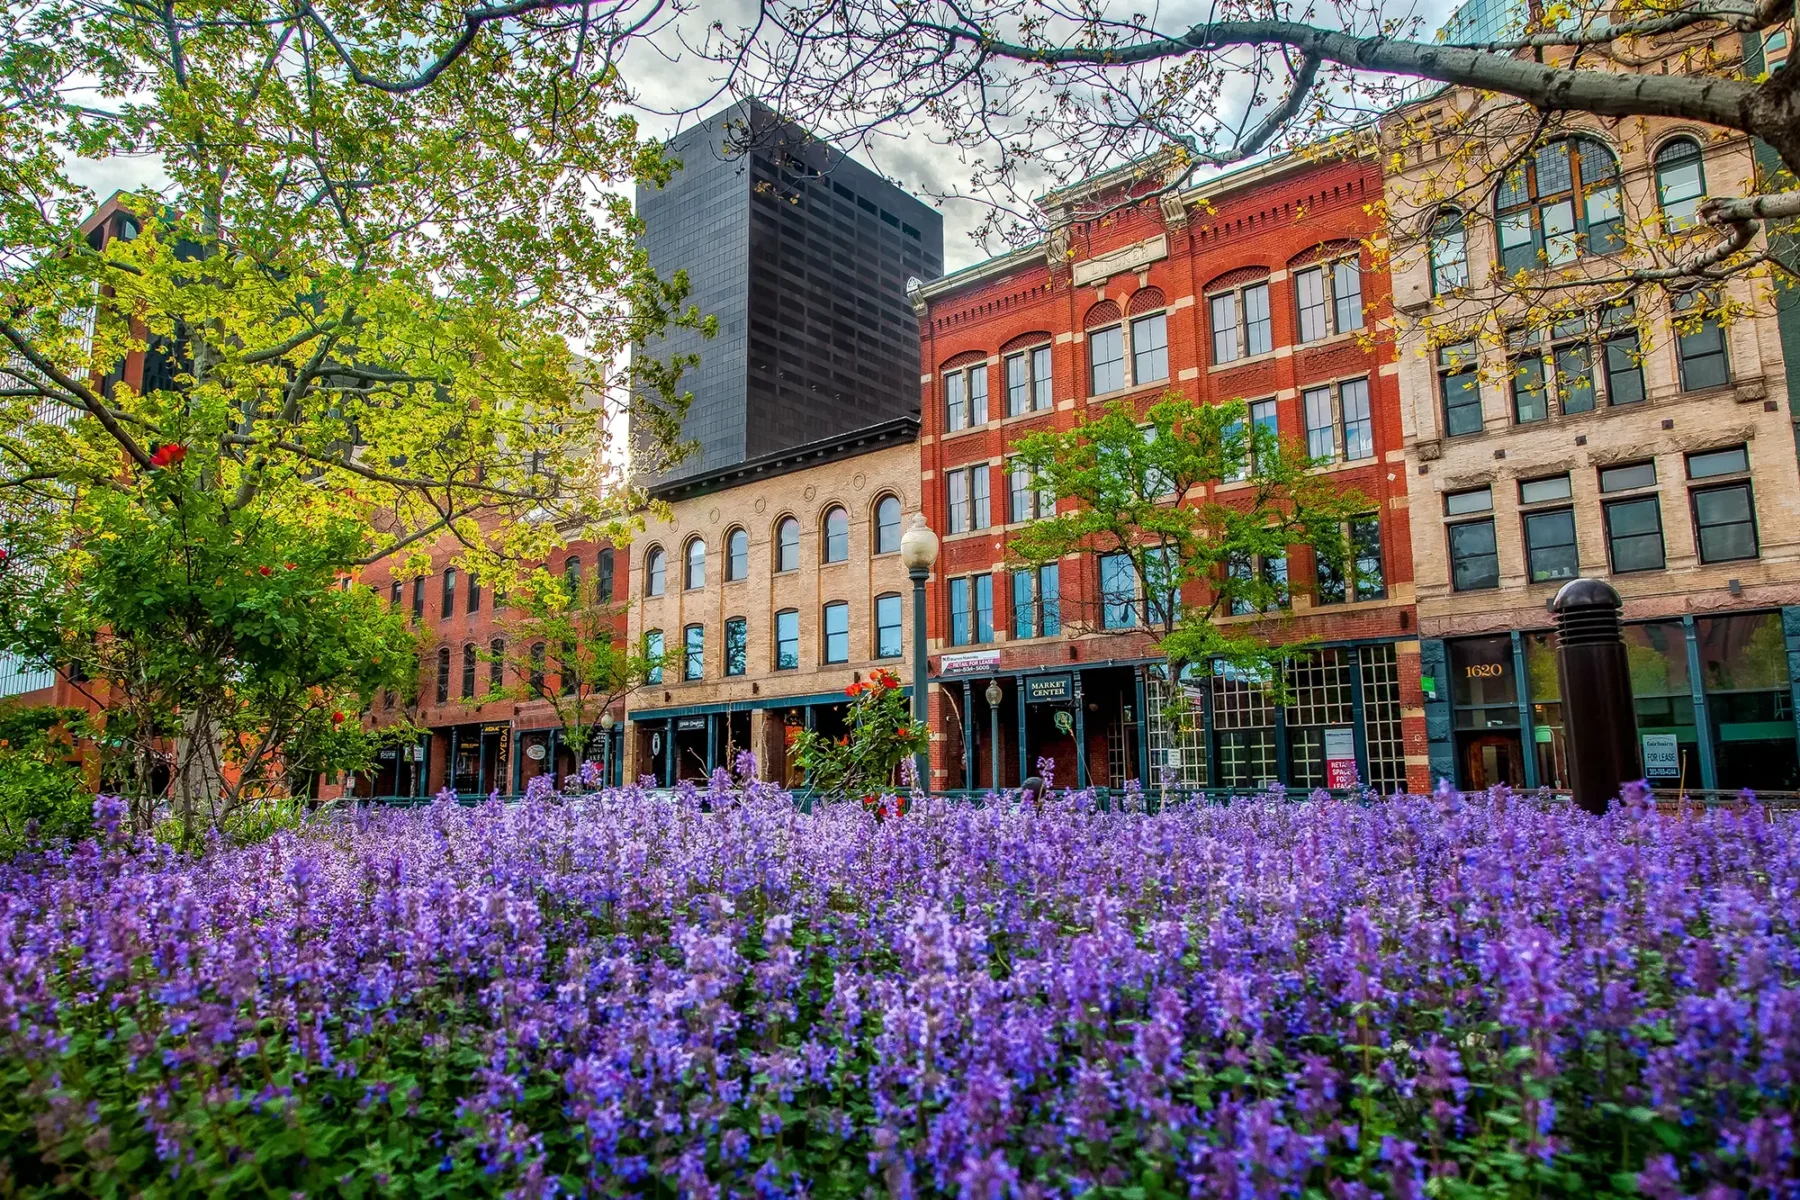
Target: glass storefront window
{"points": [[1743, 665], [1544, 690], [1657, 655], [1483, 686]]}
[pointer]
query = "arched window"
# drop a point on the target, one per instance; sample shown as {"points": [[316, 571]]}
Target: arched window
{"points": [[443, 674], [787, 545], [887, 525], [1680, 183], [694, 571], [448, 608], [1449, 245], [656, 569], [572, 579], [468, 670], [653, 656], [537, 668], [496, 664], [1106, 348], [1558, 204], [737, 554], [837, 535]]}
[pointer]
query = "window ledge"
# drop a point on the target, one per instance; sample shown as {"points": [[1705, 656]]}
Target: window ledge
{"points": [[1336, 339], [1135, 389], [1250, 360]]}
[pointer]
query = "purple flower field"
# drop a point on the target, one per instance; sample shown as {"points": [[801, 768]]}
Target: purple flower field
{"points": [[718, 994]]}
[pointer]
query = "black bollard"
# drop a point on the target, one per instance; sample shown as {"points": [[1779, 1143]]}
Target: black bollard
{"points": [[1599, 720]]}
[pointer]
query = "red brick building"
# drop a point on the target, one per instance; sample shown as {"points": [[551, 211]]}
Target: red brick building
{"points": [[477, 745], [1262, 285]]}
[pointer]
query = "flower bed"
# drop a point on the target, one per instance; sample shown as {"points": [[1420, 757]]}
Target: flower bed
{"points": [[710, 995]]}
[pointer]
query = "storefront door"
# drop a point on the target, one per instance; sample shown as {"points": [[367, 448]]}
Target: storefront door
{"points": [[1492, 759]]}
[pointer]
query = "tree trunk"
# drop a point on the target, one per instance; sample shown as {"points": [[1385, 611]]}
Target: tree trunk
{"points": [[198, 778]]}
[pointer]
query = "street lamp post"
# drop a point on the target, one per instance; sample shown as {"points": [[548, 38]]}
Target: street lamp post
{"points": [[919, 551], [606, 728], [994, 696]]}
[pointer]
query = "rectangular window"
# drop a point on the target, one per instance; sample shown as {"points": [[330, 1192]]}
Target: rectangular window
{"points": [[1225, 328], [981, 511], [984, 608], [1631, 475], [1474, 560], [1634, 534], [1725, 522], [603, 576], [1050, 600], [1259, 334], [956, 485], [1236, 434], [1241, 567], [1539, 491], [1026, 502], [837, 632], [787, 640], [978, 394], [1309, 291], [394, 593], [448, 605], [1710, 464], [1346, 295], [1162, 595], [1018, 384], [1150, 349], [1118, 591], [955, 410], [468, 671], [1518, 242], [1474, 500], [1460, 382], [959, 612], [1575, 378], [1359, 428], [888, 634], [1530, 401], [1624, 370], [737, 646], [1365, 559], [1040, 378], [1701, 349], [1363, 576], [1024, 604], [1550, 545], [1321, 423], [1265, 426], [418, 599], [693, 652], [653, 651], [1106, 360]]}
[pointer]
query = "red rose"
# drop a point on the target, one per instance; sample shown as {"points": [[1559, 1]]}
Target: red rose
{"points": [[262, 570], [337, 718], [167, 455]]}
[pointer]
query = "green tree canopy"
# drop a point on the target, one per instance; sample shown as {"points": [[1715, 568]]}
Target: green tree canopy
{"points": [[1201, 506]]}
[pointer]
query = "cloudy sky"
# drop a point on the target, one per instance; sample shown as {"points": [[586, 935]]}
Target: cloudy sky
{"points": [[674, 85]]}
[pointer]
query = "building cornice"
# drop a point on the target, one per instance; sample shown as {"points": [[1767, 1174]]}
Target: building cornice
{"points": [[896, 431]]}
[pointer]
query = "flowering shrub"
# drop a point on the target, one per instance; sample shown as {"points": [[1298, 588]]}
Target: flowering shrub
{"points": [[866, 760], [628, 995]]}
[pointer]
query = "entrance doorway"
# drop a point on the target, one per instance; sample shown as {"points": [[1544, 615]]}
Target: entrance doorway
{"points": [[1491, 759]]}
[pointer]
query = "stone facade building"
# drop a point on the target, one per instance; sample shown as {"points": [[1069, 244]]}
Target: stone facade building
{"points": [[1264, 285], [1554, 430], [772, 586]]}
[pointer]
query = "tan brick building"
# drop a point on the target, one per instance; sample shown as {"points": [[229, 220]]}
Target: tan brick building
{"points": [[774, 585], [1553, 431]]}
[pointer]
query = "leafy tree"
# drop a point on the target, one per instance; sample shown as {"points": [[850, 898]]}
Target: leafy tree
{"points": [[569, 651], [167, 607], [42, 791], [866, 760], [1202, 507], [387, 291]]}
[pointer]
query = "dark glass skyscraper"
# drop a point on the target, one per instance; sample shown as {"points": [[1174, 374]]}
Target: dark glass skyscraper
{"points": [[803, 255]]}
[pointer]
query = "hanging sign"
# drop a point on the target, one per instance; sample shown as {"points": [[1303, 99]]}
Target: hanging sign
{"points": [[535, 752], [1049, 689], [1662, 756], [980, 662], [1065, 721], [1340, 758], [690, 723]]}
